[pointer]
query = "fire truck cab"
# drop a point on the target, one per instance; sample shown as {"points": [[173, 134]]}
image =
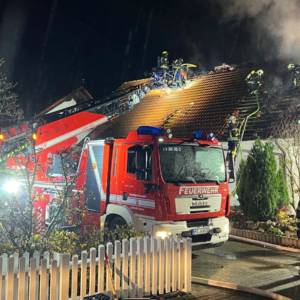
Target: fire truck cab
{"points": [[159, 184]]}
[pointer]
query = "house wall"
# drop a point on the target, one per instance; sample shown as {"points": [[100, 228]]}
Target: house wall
{"points": [[246, 148]]}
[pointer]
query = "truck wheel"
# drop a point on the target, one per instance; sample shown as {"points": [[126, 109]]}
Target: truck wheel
{"points": [[112, 225], [116, 222]]}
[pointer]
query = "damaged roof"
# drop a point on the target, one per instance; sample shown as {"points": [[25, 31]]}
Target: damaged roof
{"points": [[204, 103]]}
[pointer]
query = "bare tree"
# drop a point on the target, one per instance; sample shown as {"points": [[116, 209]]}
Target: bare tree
{"points": [[22, 222], [288, 142], [9, 105]]}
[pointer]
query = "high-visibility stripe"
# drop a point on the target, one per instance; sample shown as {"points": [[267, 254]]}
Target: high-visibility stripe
{"points": [[132, 204], [133, 201]]}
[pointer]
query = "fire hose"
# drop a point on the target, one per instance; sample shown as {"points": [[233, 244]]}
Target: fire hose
{"points": [[242, 129], [101, 296], [111, 280], [244, 123]]}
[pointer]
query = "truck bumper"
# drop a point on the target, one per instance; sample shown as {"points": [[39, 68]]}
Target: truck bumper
{"points": [[216, 231]]}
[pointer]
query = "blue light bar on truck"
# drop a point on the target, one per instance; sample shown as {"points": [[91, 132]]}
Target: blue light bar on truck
{"points": [[199, 135], [150, 130]]}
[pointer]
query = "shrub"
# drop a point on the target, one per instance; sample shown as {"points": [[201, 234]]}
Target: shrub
{"points": [[282, 188], [261, 188], [122, 232], [63, 241], [72, 242]]}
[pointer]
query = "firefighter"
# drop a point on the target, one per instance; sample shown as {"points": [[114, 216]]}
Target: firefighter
{"points": [[177, 64], [295, 73], [160, 74], [254, 81], [164, 66], [233, 132], [164, 60], [184, 73], [177, 69]]}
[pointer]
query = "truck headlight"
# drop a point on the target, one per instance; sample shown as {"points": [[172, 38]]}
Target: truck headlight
{"points": [[11, 186], [163, 234]]}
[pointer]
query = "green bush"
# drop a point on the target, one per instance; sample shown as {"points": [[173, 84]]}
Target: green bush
{"points": [[262, 188], [72, 242], [282, 188], [122, 232], [64, 242]]}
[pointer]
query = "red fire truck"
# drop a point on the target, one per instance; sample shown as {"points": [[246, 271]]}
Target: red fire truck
{"points": [[160, 184]]}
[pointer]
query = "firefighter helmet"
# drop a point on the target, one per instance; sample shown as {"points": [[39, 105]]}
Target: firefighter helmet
{"points": [[260, 72]]}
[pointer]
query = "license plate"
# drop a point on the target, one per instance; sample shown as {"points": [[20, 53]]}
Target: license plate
{"points": [[200, 230]]}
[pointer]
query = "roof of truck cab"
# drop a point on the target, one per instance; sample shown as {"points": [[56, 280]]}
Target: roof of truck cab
{"points": [[134, 137]]}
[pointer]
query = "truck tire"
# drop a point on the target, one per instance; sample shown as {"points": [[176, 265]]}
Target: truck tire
{"points": [[111, 225], [116, 222]]}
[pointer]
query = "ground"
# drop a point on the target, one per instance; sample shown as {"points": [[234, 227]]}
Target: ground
{"points": [[201, 292], [247, 265]]}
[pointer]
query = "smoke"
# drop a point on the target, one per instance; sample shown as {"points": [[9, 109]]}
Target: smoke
{"points": [[195, 56], [12, 26], [278, 20]]}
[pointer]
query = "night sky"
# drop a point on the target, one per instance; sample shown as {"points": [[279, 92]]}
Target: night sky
{"points": [[51, 45]]}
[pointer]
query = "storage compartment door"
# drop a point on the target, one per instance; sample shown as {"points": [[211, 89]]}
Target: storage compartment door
{"points": [[94, 187]]}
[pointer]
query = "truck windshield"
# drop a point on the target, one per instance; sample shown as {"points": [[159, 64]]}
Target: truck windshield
{"points": [[191, 163]]}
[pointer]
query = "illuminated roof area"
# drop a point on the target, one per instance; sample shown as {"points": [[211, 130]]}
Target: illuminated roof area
{"points": [[203, 104]]}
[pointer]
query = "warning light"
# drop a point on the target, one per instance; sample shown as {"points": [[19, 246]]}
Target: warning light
{"points": [[34, 136], [199, 135], [2, 137], [211, 137], [149, 130], [154, 131]]}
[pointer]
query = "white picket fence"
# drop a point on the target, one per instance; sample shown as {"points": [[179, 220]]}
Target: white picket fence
{"points": [[138, 267]]}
